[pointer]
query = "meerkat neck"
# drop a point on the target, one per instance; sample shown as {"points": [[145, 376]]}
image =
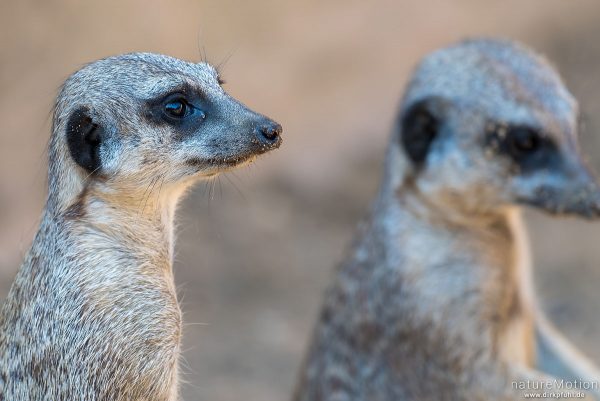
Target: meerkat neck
{"points": [[489, 230], [146, 218], [477, 271], [123, 221]]}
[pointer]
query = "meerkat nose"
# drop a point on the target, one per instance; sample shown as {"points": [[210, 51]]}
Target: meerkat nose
{"points": [[268, 132], [585, 193], [593, 209]]}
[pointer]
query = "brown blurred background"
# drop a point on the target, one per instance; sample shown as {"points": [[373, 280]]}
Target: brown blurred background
{"points": [[252, 261]]}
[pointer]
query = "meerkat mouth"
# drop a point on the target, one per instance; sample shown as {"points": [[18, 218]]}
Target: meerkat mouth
{"points": [[216, 165], [219, 164]]}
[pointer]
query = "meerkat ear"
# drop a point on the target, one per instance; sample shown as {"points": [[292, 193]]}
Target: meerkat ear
{"points": [[419, 126], [84, 137]]}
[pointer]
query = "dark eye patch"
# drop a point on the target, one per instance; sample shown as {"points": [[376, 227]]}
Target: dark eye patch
{"points": [[178, 107], [527, 148], [183, 109]]}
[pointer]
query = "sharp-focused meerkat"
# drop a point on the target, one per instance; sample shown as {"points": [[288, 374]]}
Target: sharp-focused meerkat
{"points": [[435, 301], [93, 313]]}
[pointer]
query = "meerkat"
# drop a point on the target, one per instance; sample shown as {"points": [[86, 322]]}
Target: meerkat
{"points": [[93, 312], [435, 301]]}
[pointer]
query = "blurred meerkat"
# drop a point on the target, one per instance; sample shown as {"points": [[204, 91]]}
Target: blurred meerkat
{"points": [[93, 313], [435, 301]]}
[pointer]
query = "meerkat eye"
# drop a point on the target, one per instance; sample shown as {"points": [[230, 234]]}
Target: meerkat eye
{"points": [[526, 147], [523, 140], [177, 108]]}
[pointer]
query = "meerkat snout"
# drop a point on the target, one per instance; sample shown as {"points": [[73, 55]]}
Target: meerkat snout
{"points": [[488, 124]]}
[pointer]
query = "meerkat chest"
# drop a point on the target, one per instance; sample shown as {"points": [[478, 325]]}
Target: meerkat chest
{"points": [[131, 320], [468, 285], [134, 329], [98, 334]]}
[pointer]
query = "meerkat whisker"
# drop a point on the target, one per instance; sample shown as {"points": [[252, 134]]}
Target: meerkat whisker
{"points": [[226, 175]]}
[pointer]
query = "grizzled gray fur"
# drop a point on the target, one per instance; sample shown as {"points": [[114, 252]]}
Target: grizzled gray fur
{"points": [[93, 313], [435, 301]]}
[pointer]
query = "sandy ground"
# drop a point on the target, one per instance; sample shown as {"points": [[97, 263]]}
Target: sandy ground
{"points": [[253, 258]]}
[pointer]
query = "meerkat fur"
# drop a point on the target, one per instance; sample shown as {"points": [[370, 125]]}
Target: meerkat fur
{"points": [[435, 301], [93, 312]]}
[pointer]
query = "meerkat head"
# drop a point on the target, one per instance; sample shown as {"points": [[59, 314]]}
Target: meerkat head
{"points": [[132, 120], [486, 124]]}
